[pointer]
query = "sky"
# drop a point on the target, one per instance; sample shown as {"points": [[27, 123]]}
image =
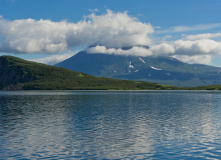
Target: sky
{"points": [[49, 31]]}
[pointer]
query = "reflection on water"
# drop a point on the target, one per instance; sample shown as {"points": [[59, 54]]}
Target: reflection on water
{"points": [[110, 124]]}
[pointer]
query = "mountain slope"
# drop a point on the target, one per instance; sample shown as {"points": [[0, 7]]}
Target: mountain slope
{"points": [[16, 74], [164, 70]]}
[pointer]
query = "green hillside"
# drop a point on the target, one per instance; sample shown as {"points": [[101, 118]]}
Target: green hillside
{"points": [[210, 87], [19, 74]]}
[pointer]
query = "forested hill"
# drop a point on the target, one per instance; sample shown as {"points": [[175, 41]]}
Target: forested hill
{"points": [[19, 74]]}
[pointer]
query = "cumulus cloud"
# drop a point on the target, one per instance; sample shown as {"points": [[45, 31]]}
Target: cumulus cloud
{"points": [[198, 51], [54, 59], [189, 48], [162, 49], [203, 36], [44, 36], [133, 51]]}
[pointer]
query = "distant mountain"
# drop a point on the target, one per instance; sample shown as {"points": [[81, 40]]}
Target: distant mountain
{"points": [[164, 70], [18, 74]]}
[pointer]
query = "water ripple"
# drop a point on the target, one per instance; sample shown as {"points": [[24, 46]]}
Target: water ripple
{"points": [[110, 125]]}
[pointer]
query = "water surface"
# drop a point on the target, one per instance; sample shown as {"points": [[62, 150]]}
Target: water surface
{"points": [[110, 125]]}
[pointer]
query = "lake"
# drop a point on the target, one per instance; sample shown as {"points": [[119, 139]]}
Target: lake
{"points": [[110, 125]]}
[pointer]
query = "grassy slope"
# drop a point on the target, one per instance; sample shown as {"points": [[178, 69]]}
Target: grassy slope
{"points": [[210, 87], [30, 75]]}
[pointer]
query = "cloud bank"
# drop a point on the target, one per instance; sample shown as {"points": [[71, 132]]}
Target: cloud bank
{"points": [[195, 51], [134, 51], [108, 33], [179, 47], [44, 36]]}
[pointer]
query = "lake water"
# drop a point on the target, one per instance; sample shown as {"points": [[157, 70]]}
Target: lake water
{"points": [[110, 125]]}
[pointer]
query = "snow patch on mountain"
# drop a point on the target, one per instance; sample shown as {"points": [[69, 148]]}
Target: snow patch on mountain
{"points": [[130, 65], [142, 60], [155, 68]]}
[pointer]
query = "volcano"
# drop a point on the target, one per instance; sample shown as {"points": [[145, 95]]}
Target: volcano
{"points": [[163, 70]]}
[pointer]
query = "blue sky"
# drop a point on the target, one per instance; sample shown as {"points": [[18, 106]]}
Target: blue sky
{"points": [[186, 29]]}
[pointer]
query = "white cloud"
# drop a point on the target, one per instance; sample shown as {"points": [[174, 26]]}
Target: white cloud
{"points": [[197, 47], [200, 59], [44, 36], [203, 36], [162, 49], [109, 32], [54, 59], [182, 47], [134, 51], [30, 36]]}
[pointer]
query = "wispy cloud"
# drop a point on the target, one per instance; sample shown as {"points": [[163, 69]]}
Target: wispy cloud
{"points": [[199, 27], [54, 59], [203, 36], [93, 10]]}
